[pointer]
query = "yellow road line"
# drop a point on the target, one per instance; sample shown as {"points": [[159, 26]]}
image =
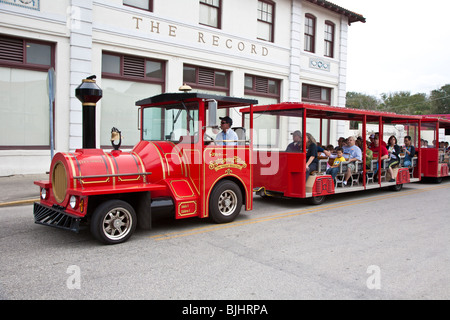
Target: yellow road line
{"points": [[290, 214], [18, 202]]}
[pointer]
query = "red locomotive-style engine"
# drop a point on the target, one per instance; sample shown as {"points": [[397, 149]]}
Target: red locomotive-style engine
{"points": [[177, 166]]}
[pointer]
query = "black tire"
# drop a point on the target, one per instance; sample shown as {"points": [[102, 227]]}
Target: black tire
{"points": [[317, 200], [225, 202], [113, 222], [437, 180], [397, 187]]}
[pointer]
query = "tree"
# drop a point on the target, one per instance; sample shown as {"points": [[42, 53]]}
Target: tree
{"points": [[440, 100], [403, 102], [357, 100]]}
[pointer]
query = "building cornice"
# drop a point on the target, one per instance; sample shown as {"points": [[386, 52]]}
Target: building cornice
{"points": [[352, 16]]}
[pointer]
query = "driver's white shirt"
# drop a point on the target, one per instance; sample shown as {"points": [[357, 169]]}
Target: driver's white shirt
{"points": [[229, 135]]}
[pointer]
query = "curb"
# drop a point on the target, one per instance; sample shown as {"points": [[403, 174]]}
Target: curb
{"points": [[18, 202]]}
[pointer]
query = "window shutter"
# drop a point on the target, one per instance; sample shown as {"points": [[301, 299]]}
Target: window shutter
{"points": [[261, 85], [315, 93], [206, 77], [11, 49], [134, 67]]}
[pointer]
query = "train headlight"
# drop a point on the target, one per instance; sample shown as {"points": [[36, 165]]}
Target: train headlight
{"points": [[44, 194], [73, 202]]}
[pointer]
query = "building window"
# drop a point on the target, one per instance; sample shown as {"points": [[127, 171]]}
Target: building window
{"points": [[133, 68], [310, 32], [141, 4], [210, 13], [266, 14], [208, 79], [329, 39], [24, 96], [262, 87], [316, 94], [125, 80]]}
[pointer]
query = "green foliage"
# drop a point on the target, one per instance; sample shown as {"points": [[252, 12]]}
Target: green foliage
{"points": [[403, 102], [441, 100], [357, 100]]}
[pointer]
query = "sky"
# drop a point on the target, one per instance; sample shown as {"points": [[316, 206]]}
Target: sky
{"points": [[403, 46]]}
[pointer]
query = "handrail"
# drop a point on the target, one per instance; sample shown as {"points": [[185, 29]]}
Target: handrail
{"points": [[113, 175]]}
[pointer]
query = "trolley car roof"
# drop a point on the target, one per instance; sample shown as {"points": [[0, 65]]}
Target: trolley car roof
{"points": [[328, 112], [443, 120]]}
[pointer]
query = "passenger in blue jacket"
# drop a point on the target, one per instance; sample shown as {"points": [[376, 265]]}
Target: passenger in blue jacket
{"points": [[409, 151]]}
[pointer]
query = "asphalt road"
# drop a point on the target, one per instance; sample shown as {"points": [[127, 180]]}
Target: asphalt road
{"points": [[369, 245]]}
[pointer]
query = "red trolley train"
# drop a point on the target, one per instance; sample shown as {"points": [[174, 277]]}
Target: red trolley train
{"points": [[180, 167]]}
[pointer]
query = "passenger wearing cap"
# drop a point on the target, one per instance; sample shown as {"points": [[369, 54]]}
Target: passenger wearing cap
{"points": [[227, 137], [296, 145], [372, 141]]}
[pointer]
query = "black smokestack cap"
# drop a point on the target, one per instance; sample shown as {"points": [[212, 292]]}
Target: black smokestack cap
{"points": [[88, 92]]}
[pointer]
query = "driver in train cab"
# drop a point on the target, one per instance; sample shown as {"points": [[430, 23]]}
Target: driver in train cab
{"points": [[296, 145], [227, 137]]}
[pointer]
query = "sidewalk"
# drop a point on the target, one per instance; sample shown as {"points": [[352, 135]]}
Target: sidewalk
{"points": [[20, 189]]}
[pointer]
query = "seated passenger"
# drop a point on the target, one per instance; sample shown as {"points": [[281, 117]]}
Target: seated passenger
{"points": [[334, 169], [380, 151], [355, 155], [377, 135], [371, 142], [311, 155], [296, 145], [369, 155], [409, 151], [394, 155]]}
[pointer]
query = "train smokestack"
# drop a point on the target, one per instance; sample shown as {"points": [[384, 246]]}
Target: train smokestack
{"points": [[88, 92]]}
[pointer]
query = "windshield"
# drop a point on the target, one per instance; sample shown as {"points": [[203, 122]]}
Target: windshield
{"points": [[175, 122]]}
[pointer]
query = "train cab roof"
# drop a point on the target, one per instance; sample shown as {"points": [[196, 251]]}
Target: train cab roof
{"points": [[222, 101], [328, 112]]}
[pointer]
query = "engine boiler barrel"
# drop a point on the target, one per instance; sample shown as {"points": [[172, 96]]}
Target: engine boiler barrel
{"points": [[95, 169]]}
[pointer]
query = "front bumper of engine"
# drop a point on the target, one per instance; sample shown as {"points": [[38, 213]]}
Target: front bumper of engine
{"points": [[55, 217]]}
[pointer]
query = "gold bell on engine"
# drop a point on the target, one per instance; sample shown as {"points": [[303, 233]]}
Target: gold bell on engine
{"points": [[185, 88]]}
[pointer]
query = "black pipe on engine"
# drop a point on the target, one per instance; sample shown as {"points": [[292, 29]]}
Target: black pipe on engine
{"points": [[88, 92]]}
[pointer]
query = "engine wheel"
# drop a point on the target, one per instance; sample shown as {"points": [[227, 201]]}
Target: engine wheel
{"points": [[225, 202], [113, 222]]}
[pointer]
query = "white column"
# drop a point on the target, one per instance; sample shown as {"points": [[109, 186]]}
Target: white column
{"points": [[296, 41], [79, 17], [342, 86]]}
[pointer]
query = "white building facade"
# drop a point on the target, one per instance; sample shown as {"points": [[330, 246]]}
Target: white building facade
{"points": [[275, 51]]}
